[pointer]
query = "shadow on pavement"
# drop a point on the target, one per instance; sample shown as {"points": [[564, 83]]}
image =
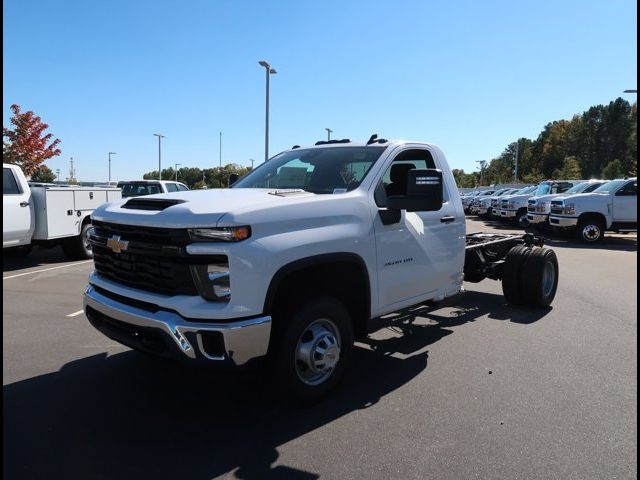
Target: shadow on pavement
{"points": [[38, 257], [133, 416]]}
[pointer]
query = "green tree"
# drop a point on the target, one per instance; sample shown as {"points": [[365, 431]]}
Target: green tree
{"points": [[613, 170], [43, 174], [569, 171]]}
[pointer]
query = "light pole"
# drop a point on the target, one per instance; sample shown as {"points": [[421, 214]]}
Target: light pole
{"points": [[177, 170], [482, 165], [110, 153], [57, 174], [251, 160], [160, 137], [269, 71], [329, 132], [220, 149]]}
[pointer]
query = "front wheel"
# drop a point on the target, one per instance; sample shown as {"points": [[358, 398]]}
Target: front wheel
{"points": [[521, 219], [590, 230], [314, 349]]}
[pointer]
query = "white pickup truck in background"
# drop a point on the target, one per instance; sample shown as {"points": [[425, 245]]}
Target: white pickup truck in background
{"points": [[610, 207], [48, 215]]}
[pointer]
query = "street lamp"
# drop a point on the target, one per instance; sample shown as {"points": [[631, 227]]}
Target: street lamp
{"points": [[110, 153], [160, 137], [269, 71], [177, 170], [329, 132]]}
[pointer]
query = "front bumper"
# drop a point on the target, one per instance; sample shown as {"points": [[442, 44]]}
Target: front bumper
{"points": [[168, 334], [563, 222], [537, 218], [508, 213], [482, 210], [496, 212]]}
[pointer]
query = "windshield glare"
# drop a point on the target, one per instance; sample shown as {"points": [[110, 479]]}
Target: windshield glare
{"points": [[578, 188], [542, 189], [316, 170], [609, 186]]}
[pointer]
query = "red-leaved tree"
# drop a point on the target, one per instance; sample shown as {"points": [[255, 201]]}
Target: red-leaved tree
{"points": [[26, 144]]}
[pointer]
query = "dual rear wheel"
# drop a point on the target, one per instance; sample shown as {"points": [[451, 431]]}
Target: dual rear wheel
{"points": [[530, 276]]}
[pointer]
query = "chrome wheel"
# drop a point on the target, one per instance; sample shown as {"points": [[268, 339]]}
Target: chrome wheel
{"points": [[85, 241], [548, 278], [591, 232], [317, 352], [523, 221]]}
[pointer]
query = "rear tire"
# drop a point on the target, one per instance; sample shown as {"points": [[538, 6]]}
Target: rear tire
{"points": [[78, 247], [541, 278], [314, 349], [512, 274]]}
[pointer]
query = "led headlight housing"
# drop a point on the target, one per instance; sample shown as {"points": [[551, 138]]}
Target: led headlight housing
{"points": [[220, 234], [569, 209]]}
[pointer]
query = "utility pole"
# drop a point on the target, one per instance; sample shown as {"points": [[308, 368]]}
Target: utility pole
{"points": [[110, 153], [515, 170], [251, 160], [177, 170], [57, 174], [482, 163], [160, 137], [72, 170], [220, 149], [329, 132]]}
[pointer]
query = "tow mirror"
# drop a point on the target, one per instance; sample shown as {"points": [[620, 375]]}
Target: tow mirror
{"points": [[233, 178], [424, 192]]}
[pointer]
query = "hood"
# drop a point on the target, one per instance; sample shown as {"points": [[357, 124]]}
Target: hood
{"points": [[549, 197], [584, 197], [197, 208], [517, 197]]}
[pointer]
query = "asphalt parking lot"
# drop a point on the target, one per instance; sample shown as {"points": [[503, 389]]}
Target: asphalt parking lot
{"points": [[471, 389]]}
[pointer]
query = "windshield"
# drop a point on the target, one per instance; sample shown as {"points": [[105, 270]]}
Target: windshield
{"points": [[542, 189], [609, 186], [139, 189], [316, 170], [579, 188], [525, 190]]}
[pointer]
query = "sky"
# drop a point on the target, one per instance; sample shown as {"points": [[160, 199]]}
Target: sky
{"points": [[469, 76]]}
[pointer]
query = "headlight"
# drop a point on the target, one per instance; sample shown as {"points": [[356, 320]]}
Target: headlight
{"points": [[511, 205], [543, 207], [220, 234], [569, 209], [212, 280]]}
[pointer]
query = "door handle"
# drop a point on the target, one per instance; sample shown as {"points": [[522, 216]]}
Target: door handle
{"points": [[448, 219], [24, 204]]}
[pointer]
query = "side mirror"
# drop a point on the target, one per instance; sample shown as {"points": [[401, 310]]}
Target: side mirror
{"points": [[233, 178], [424, 192]]}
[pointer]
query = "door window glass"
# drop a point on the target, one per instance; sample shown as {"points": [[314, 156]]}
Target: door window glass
{"points": [[9, 184]]}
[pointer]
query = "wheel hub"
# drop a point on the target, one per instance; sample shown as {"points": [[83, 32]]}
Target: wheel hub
{"points": [[591, 232], [317, 352]]}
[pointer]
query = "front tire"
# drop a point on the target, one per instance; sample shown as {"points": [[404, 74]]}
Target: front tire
{"points": [[590, 230], [314, 349]]}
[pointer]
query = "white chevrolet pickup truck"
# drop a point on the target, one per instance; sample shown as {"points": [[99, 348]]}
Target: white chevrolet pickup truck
{"points": [[294, 260], [610, 207], [47, 214]]}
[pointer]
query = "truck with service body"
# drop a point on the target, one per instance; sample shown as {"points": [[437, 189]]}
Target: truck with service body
{"points": [[538, 208], [612, 206], [48, 215], [514, 207], [293, 261]]}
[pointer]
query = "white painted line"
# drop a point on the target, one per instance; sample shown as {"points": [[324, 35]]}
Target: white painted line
{"points": [[75, 314], [46, 269]]}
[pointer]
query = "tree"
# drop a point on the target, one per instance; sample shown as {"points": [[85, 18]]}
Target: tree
{"points": [[26, 144], [569, 171], [613, 170], [43, 174]]}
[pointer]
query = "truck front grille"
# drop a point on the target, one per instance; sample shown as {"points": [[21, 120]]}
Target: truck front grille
{"points": [[557, 208], [154, 259], [531, 206]]}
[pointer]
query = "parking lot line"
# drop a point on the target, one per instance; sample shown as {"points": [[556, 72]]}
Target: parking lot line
{"points": [[46, 269], [75, 314]]}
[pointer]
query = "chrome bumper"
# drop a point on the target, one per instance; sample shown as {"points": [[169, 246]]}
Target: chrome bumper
{"points": [[244, 340], [508, 213], [563, 222], [536, 218]]}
